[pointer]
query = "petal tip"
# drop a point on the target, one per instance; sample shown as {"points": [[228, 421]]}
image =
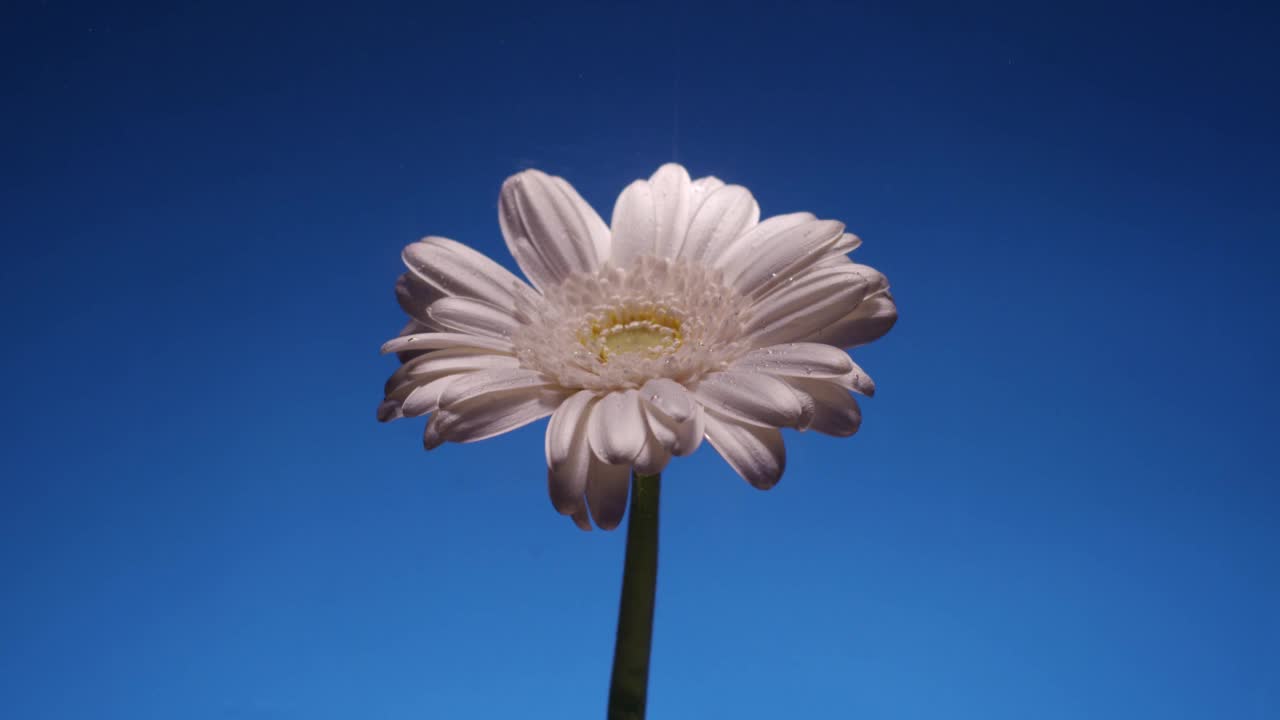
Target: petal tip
{"points": [[432, 438], [388, 410]]}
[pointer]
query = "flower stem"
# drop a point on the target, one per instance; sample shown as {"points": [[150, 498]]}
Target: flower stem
{"points": [[629, 685]]}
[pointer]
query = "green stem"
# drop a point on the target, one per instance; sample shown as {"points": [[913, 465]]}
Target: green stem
{"points": [[630, 682]]}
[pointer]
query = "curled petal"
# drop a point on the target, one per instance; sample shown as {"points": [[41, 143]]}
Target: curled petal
{"points": [[654, 456], [679, 438], [873, 317], [670, 397], [858, 381], [568, 453], [755, 453], [389, 410], [616, 428], [802, 310], [835, 411], [414, 296]]}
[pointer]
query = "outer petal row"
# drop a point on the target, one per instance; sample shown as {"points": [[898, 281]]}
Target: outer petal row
{"points": [[451, 268], [568, 453], [486, 403], [806, 309], [550, 230], [671, 216]]}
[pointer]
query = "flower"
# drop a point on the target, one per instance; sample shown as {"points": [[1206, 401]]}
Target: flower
{"points": [[686, 317]]}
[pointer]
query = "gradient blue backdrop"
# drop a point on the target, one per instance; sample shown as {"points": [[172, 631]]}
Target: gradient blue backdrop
{"points": [[1062, 504]]}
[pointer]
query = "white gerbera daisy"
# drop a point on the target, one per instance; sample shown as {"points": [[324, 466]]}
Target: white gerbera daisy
{"points": [[687, 318]]}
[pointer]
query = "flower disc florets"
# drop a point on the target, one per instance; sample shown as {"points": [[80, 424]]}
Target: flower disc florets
{"points": [[618, 328]]}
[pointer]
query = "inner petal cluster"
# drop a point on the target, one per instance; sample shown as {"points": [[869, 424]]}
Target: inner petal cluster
{"points": [[620, 327]]}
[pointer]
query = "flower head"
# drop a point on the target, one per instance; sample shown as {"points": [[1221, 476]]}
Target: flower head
{"points": [[685, 318]]}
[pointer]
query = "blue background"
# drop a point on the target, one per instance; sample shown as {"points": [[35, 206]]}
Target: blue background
{"points": [[1063, 502]]}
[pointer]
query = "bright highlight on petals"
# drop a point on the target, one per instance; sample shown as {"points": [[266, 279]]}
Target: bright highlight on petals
{"points": [[687, 319]]}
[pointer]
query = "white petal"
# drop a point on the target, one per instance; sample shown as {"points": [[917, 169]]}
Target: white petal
{"points": [[670, 397], [415, 296], [802, 309], [485, 416], [634, 224], [673, 198], [679, 438], [760, 262], [486, 382], [700, 190], [750, 397], [653, 457], [807, 403], [858, 381], [847, 243], [389, 410], [803, 359], [568, 453], [543, 224], [425, 399], [607, 488], [413, 327], [873, 317], [755, 453], [441, 340], [473, 317], [596, 227], [832, 258], [581, 518], [734, 253], [455, 269], [661, 427], [439, 363], [616, 427], [726, 214], [690, 433], [836, 412], [567, 424]]}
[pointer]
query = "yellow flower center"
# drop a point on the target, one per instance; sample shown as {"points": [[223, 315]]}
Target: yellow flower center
{"points": [[648, 332]]}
